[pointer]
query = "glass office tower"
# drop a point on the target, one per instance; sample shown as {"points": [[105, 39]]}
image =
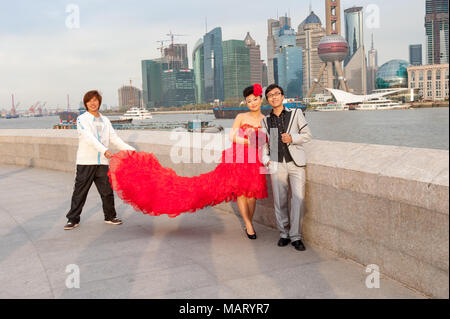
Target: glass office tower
{"points": [[198, 61], [415, 54], [289, 64], [178, 87], [353, 30], [213, 65], [151, 82], [436, 29], [236, 68]]}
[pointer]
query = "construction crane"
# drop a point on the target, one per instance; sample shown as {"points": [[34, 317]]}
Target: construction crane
{"points": [[33, 107], [39, 110], [44, 110], [172, 50], [161, 48], [13, 108], [171, 35]]}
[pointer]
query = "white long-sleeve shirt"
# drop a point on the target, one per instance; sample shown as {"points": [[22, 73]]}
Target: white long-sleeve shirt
{"points": [[93, 144]]}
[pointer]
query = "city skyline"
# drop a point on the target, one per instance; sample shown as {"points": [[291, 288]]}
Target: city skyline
{"points": [[41, 59]]}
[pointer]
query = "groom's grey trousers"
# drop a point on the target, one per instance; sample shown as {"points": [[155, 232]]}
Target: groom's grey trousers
{"points": [[282, 174]]}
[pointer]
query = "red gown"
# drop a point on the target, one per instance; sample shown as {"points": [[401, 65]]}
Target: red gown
{"points": [[141, 181]]}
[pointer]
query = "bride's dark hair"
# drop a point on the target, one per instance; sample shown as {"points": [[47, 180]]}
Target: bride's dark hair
{"points": [[248, 91], [255, 89]]}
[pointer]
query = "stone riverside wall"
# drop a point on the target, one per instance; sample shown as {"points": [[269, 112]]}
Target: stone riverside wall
{"points": [[373, 204]]}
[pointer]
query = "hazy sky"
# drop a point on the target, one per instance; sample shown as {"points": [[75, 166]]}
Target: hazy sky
{"points": [[41, 59]]}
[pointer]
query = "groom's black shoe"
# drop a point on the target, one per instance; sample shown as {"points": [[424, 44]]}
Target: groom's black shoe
{"points": [[70, 225], [114, 221], [283, 242], [298, 245]]}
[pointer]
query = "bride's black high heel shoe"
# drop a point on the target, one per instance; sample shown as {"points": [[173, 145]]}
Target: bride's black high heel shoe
{"points": [[248, 235]]}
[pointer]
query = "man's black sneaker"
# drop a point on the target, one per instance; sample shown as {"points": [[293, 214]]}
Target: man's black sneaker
{"points": [[70, 225], [298, 245], [114, 221], [283, 242]]}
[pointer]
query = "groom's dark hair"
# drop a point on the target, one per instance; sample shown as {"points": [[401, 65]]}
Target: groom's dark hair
{"points": [[274, 86]]}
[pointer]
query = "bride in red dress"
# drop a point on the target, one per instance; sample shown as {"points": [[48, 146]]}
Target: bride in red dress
{"points": [[141, 181]]}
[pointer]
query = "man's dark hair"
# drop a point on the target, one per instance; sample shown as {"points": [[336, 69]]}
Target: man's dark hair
{"points": [[274, 86], [91, 94]]}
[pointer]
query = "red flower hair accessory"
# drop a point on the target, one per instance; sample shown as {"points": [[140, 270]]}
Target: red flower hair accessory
{"points": [[257, 90]]}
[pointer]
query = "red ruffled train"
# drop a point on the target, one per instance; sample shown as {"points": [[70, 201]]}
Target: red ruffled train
{"points": [[141, 181]]}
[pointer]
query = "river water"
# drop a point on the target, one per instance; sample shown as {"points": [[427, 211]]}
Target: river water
{"points": [[423, 128]]}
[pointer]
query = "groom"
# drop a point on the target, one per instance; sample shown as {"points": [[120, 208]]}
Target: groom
{"points": [[285, 159]]}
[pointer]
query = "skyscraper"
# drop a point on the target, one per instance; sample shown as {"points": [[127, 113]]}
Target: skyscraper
{"points": [[309, 33], [415, 54], [236, 68], [274, 27], [289, 63], [178, 87], [264, 82], [436, 29], [255, 59], [213, 65], [355, 68], [372, 68], [198, 61], [151, 81]]}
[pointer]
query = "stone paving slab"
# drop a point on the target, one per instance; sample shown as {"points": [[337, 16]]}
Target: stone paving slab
{"points": [[201, 255]]}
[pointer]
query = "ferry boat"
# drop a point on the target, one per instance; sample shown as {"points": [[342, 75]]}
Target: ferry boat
{"points": [[380, 104], [331, 107], [68, 120], [137, 115], [230, 112]]}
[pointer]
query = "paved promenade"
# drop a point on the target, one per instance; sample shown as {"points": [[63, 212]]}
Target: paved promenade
{"points": [[201, 255]]}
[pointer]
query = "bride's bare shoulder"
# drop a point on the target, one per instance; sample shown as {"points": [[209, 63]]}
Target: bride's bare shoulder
{"points": [[243, 115]]}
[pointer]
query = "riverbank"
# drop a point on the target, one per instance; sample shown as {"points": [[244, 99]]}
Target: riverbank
{"points": [[429, 104], [115, 113]]}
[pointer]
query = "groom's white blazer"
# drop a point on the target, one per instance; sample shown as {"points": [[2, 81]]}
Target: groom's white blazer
{"points": [[300, 132]]}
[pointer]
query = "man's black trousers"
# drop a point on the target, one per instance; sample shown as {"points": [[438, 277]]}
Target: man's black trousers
{"points": [[86, 174]]}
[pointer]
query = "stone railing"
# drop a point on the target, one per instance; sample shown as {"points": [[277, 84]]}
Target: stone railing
{"points": [[374, 204]]}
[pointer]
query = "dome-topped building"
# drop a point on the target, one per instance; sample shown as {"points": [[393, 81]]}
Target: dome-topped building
{"points": [[392, 74], [312, 18], [286, 30], [309, 34], [312, 22]]}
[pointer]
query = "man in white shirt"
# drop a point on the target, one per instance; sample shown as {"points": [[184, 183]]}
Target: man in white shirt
{"points": [[95, 134]]}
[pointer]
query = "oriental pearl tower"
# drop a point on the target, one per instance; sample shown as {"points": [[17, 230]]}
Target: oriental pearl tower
{"points": [[333, 48]]}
